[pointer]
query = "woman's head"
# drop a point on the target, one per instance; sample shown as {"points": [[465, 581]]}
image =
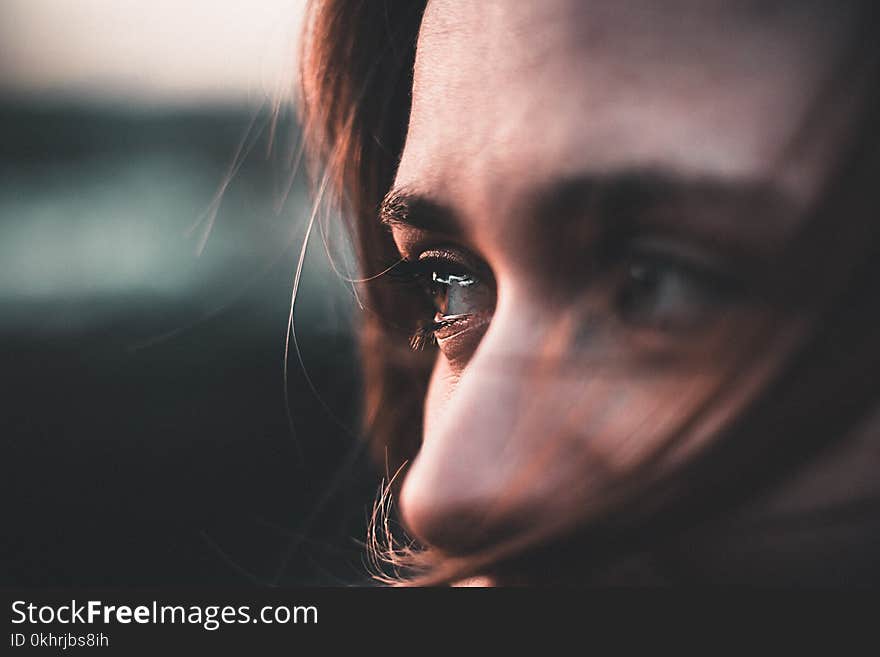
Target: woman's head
{"points": [[591, 231]]}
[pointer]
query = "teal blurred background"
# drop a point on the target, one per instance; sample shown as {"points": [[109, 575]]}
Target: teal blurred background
{"points": [[151, 217]]}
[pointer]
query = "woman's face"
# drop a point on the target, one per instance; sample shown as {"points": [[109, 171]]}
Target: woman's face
{"points": [[589, 188]]}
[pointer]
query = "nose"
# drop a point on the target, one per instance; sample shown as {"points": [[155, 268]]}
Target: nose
{"points": [[477, 478]]}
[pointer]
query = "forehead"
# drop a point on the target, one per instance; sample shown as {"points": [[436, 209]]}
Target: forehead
{"points": [[506, 94]]}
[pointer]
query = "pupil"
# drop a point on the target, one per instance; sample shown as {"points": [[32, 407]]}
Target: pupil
{"points": [[641, 287], [644, 279]]}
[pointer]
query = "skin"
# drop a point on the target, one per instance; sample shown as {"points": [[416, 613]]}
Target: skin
{"points": [[520, 113]]}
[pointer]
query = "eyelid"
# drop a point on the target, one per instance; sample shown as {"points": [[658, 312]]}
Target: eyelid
{"points": [[461, 325], [692, 258], [460, 258], [456, 256]]}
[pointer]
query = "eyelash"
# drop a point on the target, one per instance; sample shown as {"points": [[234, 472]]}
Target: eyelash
{"points": [[420, 276], [425, 334]]}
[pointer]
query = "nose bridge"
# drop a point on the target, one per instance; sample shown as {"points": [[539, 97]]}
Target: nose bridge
{"points": [[497, 382], [473, 447]]}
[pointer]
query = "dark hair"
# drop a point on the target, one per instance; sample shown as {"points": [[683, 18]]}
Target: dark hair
{"points": [[803, 391]]}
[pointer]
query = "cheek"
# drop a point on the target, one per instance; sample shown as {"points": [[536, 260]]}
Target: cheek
{"points": [[444, 380]]}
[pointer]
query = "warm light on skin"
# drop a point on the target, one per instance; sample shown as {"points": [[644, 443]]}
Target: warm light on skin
{"points": [[518, 97]]}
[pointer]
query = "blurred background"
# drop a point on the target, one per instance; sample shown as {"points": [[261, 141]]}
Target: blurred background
{"points": [[150, 226]]}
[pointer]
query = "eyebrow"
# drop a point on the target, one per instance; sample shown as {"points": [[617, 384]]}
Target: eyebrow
{"points": [[402, 207], [719, 209], [712, 205]]}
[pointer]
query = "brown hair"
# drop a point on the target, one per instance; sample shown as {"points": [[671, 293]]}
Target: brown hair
{"points": [[768, 418], [357, 62]]}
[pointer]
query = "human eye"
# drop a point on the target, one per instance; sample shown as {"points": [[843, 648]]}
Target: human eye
{"points": [[458, 293], [670, 289]]}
